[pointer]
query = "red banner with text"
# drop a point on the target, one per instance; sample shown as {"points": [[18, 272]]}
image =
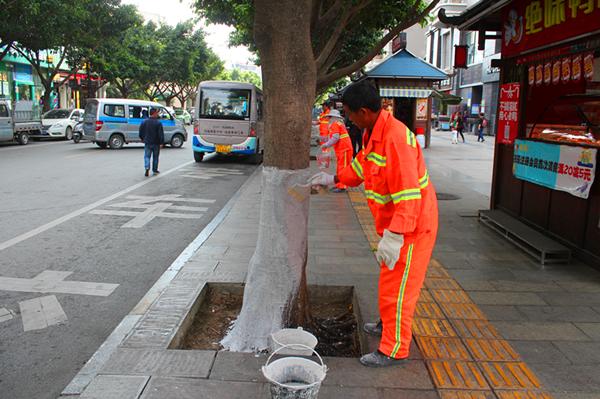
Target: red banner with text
{"points": [[508, 113]]}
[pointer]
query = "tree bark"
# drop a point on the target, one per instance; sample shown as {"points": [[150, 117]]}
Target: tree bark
{"points": [[275, 295]]}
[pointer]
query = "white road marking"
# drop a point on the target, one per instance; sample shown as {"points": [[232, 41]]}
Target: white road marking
{"points": [[5, 315], [154, 207], [24, 147], [85, 209], [51, 281], [39, 313], [207, 174]]}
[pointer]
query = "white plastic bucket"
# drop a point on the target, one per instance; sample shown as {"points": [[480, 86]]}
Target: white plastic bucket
{"points": [[295, 339], [294, 377]]}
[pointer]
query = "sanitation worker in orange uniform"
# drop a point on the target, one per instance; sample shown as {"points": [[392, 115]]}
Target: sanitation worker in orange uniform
{"points": [[404, 205], [339, 140], [324, 123]]}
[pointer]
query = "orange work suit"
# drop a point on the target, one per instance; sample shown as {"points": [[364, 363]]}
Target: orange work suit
{"points": [[343, 148], [402, 200], [323, 126]]}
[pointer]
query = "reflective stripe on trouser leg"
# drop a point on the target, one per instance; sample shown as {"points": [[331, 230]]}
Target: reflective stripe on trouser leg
{"points": [[399, 291], [342, 159]]}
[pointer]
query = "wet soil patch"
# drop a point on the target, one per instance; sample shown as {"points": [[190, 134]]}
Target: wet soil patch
{"points": [[334, 311]]}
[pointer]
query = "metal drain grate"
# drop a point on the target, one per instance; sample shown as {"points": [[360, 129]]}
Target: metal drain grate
{"points": [[447, 197]]}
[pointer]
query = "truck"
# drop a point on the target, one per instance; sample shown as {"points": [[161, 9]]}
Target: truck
{"points": [[19, 120]]}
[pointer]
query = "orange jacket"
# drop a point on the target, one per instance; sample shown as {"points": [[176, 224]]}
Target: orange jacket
{"points": [[323, 124], [344, 143], [397, 186]]}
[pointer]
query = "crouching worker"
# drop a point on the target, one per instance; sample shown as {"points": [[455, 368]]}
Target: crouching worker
{"points": [[404, 205], [341, 143]]}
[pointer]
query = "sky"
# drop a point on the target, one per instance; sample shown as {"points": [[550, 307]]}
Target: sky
{"points": [[174, 11]]}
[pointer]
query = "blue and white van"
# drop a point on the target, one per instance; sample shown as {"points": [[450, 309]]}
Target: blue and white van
{"points": [[228, 119], [114, 122]]}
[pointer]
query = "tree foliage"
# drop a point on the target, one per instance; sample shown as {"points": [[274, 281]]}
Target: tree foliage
{"points": [[346, 34], [238, 75]]}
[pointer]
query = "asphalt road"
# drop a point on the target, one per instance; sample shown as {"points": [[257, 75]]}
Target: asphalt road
{"points": [[91, 214]]}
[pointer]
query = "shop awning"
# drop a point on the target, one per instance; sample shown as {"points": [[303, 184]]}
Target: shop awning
{"points": [[413, 92], [447, 98]]}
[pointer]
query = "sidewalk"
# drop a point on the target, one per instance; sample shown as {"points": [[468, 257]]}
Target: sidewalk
{"points": [[490, 323]]}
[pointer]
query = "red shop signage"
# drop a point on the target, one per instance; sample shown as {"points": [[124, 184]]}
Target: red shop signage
{"points": [[531, 24], [508, 113]]}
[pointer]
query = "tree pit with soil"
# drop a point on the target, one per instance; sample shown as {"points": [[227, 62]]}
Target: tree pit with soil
{"points": [[335, 318]]}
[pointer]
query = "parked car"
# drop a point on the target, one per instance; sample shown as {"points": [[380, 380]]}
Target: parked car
{"points": [[20, 122], [184, 116], [114, 122], [60, 122]]}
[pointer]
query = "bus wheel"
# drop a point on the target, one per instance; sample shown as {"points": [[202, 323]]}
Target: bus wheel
{"points": [[116, 142], [198, 156]]}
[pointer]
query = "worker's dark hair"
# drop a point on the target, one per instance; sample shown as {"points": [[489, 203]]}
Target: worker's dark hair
{"points": [[363, 94]]}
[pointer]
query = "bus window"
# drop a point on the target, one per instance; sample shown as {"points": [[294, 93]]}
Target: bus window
{"points": [[224, 103]]}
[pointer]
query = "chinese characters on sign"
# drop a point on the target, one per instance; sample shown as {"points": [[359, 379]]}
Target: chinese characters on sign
{"points": [[508, 113], [535, 23], [563, 70], [559, 167]]}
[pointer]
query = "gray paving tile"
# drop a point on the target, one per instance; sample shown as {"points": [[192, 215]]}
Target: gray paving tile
{"points": [[580, 286], [526, 286], [539, 352], [407, 394], [506, 298], [571, 299], [115, 387], [592, 330], [580, 352], [482, 274], [475, 285], [574, 378], [335, 392], [502, 312], [574, 395], [166, 363], [188, 388], [540, 331], [349, 372], [560, 313], [232, 366]]}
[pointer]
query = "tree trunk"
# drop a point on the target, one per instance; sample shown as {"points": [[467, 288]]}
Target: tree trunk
{"points": [[46, 98], [275, 295]]}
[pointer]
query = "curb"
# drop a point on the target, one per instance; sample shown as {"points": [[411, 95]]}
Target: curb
{"points": [[91, 368]]}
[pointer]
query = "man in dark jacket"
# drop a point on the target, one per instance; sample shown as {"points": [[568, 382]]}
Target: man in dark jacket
{"points": [[152, 135]]}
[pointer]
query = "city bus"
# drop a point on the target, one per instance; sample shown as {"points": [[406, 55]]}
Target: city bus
{"points": [[229, 120]]}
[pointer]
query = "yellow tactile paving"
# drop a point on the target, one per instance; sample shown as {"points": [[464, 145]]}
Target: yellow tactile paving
{"points": [[443, 348], [441, 284], [425, 296], [481, 329], [494, 350], [432, 328], [451, 296], [456, 375], [428, 310], [509, 375], [466, 356], [446, 394], [523, 395]]}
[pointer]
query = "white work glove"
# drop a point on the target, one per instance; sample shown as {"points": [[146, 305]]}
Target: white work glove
{"points": [[322, 179], [388, 250]]}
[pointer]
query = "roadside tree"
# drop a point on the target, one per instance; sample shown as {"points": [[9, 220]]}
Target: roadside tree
{"points": [[304, 46]]}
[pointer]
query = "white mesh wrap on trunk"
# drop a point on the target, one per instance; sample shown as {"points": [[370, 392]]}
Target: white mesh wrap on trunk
{"points": [[275, 270]]}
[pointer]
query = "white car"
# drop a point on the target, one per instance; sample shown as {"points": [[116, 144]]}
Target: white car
{"points": [[60, 122]]}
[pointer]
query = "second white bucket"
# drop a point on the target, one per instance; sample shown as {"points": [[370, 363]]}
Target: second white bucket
{"points": [[293, 336]]}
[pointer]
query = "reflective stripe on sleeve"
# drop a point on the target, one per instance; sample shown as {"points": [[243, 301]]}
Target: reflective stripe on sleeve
{"points": [[407, 195], [377, 159], [424, 181], [357, 167], [343, 136], [410, 139], [379, 198]]}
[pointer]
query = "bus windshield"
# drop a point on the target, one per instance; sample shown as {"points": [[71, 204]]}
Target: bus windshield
{"points": [[224, 103]]}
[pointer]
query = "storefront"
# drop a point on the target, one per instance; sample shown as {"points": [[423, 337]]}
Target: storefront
{"points": [[548, 124], [405, 84]]}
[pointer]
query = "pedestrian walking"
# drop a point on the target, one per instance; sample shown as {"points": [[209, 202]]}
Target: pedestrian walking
{"points": [[339, 140], [355, 136], [460, 126], [152, 135], [480, 126], [404, 205]]}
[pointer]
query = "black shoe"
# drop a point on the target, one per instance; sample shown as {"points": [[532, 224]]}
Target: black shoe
{"points": [[155, 172], [373, 328], [378, 359], [147, 172]]}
